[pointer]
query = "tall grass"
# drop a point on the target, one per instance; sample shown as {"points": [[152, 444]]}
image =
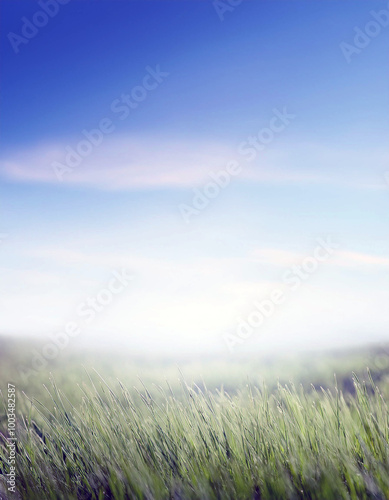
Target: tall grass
{"points": [[291, 444]]}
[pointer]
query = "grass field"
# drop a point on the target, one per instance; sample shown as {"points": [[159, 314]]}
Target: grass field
{"points": [[175, 435]]}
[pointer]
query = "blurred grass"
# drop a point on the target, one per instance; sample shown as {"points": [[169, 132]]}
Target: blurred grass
{"points": [[202, 431]]}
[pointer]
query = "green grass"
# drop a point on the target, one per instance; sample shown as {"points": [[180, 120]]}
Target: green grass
{"points": [[292, 443]]}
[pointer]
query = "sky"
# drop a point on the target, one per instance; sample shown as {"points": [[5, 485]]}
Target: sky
{"points": [[195, 176]]}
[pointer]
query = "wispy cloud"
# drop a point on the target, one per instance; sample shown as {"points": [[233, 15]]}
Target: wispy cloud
{"points": [[309, 163], [352, 259], [138, 163], [122, 163], [343, 258], [275, 257]]}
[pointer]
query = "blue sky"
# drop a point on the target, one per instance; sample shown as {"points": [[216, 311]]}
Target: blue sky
{"points": [[216, 84]]}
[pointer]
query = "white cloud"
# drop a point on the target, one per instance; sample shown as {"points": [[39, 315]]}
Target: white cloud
{"points": [[312, 163], [343, 258], [134, 163], [347, 258], [123, 163]]}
